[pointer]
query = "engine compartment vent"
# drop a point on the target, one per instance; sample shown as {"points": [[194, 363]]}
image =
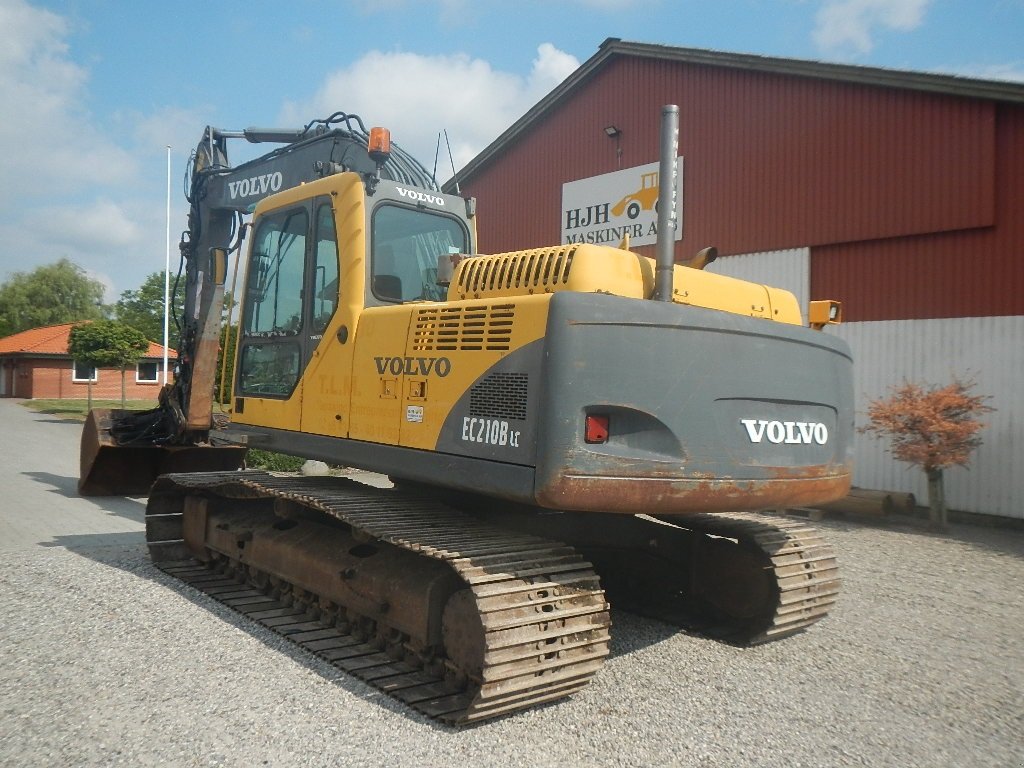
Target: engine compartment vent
{"points": [[500, 396], [540, 270], [464, 329]]}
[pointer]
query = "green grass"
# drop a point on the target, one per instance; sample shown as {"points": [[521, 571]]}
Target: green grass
{"points": [[77, 409], [272, 462]]}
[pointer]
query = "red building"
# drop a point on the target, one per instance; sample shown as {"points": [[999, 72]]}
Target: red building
{"points": [[35, 364], [899, 193]]}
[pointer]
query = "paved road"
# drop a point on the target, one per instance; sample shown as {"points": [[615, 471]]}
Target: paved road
{"points": [[38, 494], [106, 661]]}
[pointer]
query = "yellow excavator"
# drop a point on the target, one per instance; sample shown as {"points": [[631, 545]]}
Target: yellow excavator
{"points": [[564, 427]]}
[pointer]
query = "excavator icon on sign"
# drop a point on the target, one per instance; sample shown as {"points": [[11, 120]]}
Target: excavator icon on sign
{"points": [[644, 199]]}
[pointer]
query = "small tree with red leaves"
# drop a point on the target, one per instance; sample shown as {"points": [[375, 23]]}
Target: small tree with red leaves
{"points": [[932, 428]]}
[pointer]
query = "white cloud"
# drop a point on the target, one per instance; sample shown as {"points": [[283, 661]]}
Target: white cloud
{"points": [[110, 292], [118, 242], [174, 126], [551, 67], [46, 132], [74, 187], [850, 25], [102, 225], [419, 96]]}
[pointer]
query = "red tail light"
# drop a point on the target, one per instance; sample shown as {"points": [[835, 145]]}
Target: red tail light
{"points": [[596, 428]]}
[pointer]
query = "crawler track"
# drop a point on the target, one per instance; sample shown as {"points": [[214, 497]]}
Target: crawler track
{"points": [[543, 614], [744, 578], [800, 570]]}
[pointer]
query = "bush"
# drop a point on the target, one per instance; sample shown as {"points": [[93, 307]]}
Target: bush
{"points": [[273, 462], [930, 427]]}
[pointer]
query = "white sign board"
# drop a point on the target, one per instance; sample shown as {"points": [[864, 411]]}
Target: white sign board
{"points": [[606, 209]]}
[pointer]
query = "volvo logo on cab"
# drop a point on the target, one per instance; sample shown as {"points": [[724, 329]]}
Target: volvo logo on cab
{"points": [[420, 197], [791, 432]]}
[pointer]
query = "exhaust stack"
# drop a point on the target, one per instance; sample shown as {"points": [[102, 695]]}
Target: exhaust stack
{"points": [[667, 174]]}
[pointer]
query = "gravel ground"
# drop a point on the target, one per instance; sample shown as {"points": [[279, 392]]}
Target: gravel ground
{"points": [[106, 661]]}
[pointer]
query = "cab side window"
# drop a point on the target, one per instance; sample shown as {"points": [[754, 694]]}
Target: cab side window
{"points": [[274, 289], [325, 271]]}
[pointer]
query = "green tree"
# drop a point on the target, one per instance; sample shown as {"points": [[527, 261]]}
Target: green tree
{"points": [[144, 309], [48, 295], [107, 343], [226, 362], [932, 428]]}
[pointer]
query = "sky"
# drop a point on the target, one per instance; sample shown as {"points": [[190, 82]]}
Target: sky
{"points": [[94, 91]]}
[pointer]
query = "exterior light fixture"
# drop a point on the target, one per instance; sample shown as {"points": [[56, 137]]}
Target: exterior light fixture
{"points": [[614, 132]]}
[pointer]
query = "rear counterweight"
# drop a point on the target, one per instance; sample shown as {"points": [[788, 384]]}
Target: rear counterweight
{"points": [[706, 410]]}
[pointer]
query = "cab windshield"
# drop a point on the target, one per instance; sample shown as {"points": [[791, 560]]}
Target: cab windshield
{"points": [[407, 243]]}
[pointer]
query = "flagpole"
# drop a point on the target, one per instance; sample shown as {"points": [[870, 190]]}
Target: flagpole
{"points": [[167, 267]]}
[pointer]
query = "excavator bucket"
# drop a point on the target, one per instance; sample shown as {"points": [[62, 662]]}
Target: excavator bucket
{"points": [[109, 469]]}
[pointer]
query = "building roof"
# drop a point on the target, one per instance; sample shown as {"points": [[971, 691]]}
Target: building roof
{"points": [[53, 340], [950, 85]]}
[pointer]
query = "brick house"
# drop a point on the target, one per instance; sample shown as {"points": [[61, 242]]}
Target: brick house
{"points": [[35, 364]]}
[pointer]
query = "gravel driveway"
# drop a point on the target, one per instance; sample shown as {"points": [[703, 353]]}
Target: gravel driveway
{"points": [[106, 661]]}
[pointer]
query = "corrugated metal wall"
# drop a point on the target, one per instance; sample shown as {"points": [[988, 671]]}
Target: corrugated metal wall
{"points": [[781, 269], [988, 350], [934, 352]]}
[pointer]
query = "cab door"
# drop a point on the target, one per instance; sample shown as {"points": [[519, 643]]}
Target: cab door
{"points": [[273, 344], [327, 382]]}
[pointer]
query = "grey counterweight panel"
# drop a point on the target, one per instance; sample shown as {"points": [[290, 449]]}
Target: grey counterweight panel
{"points": [[496, 418], [707, 410]]}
